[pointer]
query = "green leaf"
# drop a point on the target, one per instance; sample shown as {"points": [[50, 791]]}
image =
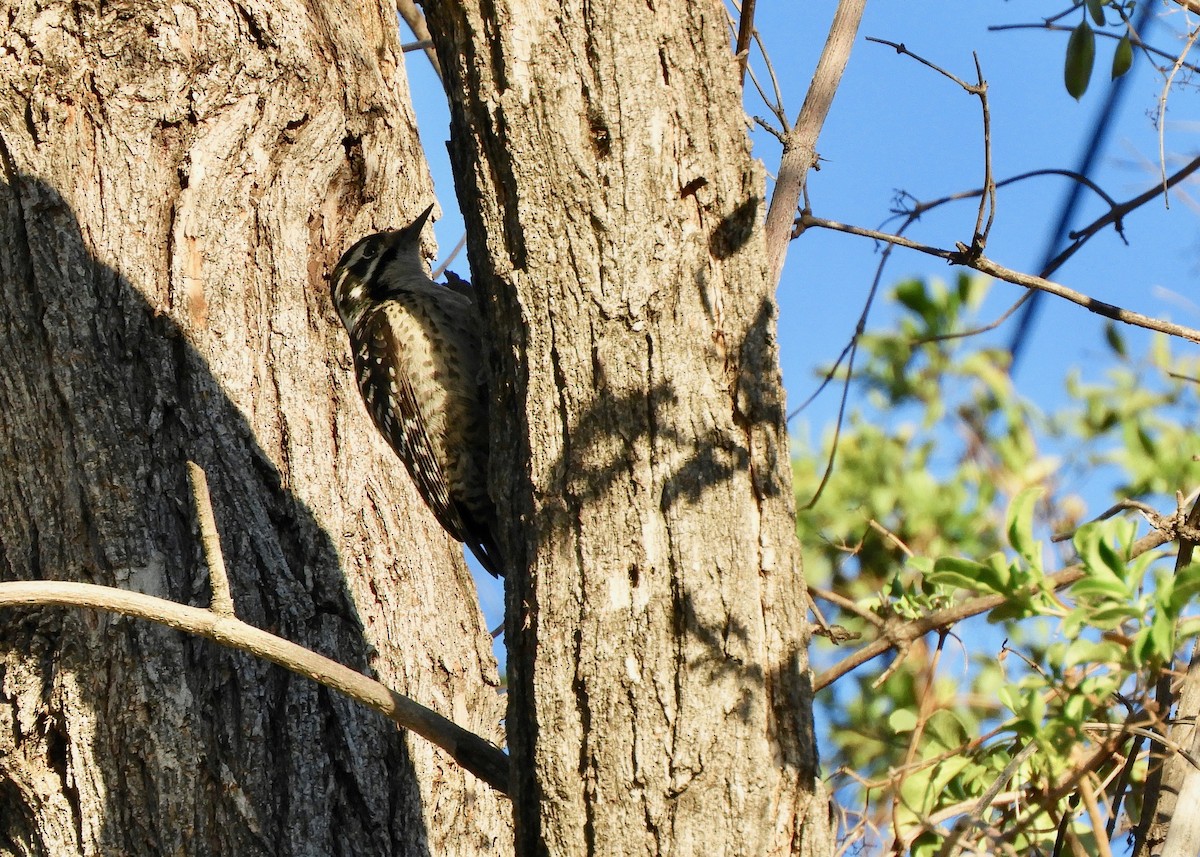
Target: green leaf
{"points": [[902, 720], [1187, 584], [996, 574], [1101, 587], [1076, 707], [926, 845], [1162, 635], [1020, 525], [1081, 56], [1111, 335], [1006, 694], [1092, 652], [1096, 9], [1122, 57], [912, 294], [956, 572]]}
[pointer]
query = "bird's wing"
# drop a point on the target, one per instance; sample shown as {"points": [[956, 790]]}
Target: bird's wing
{"points": [[396, 411]]}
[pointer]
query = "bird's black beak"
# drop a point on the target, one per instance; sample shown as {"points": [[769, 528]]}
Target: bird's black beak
{"points": [[412, 232]]}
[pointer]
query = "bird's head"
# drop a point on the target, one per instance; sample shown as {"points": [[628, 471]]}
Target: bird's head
{"points": [[374, 265]]}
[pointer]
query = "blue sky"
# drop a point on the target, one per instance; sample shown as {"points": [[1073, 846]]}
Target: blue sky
{"points": [[896, 125]]}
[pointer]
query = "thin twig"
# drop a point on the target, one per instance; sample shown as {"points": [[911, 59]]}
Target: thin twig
{"points": [[440, 269], [850, 353], [765, 125], [1121, 506], [777, 105], [891, 537], [977, 331], [900, 48], [847, 604], [921, 207], [1116, 313], [982, 230], [218, 577], [987, 197], [808, 220], [1134, 39], [1148, 734], [1093, 811], [924, 712], [1162, 111], [837, 427], [986, 800]]}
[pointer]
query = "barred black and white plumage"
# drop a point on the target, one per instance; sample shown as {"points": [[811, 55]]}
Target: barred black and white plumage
{"points": [[416, 350]]}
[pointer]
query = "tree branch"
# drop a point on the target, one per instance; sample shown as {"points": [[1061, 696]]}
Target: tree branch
{"points": [[415, 20], [745, 30], [903, 634], [800, 145], [987, 266], [477, 755], [964, 255]]}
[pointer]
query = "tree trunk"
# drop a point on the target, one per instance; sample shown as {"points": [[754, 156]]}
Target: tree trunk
{"points": [[178, 179], [660, 699]]}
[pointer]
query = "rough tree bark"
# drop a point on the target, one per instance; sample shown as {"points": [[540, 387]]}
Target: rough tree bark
{"points": [[656, 620], [177, 179]]}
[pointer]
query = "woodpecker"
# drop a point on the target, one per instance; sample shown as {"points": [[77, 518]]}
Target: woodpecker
{"points": [[416, 348]]}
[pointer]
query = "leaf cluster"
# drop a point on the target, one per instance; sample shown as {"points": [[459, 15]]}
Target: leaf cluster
{"points": [[947, 486]]}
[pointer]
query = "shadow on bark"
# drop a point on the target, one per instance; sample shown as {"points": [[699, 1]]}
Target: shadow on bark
{"points": [[723, 657], [197, 750]]}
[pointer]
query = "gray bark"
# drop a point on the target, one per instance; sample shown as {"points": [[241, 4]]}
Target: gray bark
{"points": [[660, 701], [177, 180]]}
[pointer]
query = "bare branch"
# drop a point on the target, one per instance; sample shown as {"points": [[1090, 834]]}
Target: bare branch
{"points": [[987, 195], [800, 147], [477, 755], [1116, 313], [1149, 734], [988, 198], [1162, 110], [1117, 213], [415, 19], [925, 709], [901, 48], [963, 255], [847, 604], [745, 30], [765, 125], [441, 269], [777, 105], [218, 578], [1149, 511], [1093, 811], [806, 220]]}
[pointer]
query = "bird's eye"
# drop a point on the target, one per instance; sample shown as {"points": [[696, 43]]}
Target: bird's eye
{"points": [[369, 251]]}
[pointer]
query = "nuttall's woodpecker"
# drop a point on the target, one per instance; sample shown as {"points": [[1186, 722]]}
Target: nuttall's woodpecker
{"points": [[416, 348]]}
